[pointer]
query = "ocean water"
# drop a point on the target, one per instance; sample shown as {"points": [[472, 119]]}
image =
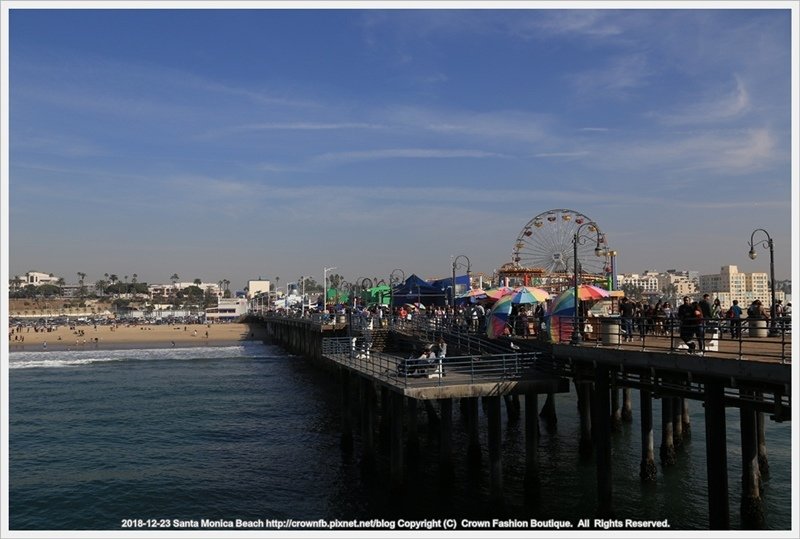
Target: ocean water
{"points": [[250, 432]]}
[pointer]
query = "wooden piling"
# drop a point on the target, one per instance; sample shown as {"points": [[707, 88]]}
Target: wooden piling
{"points": [[531, 442], [616, 409], [347, 425], [368, 422], [473, 433], [686, 420], [647, 469], [752, 510], [548, 413], [446, 439], [585, 416], [763, 462], [412, 437], [667, 443], [627, 405], [495, 463], [716, 456], [602, 440], [677, 422], [396, 448]]}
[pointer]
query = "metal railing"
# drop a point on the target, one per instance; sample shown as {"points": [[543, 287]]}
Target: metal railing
{"points": [[354, 352], [746, 339]]}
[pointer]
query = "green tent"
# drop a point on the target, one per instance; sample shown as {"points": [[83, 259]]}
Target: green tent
{"points": [[333, 294], [377, 295]]}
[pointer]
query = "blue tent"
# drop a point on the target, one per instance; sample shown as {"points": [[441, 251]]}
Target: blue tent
{"points": [[462, 285], [416, 290]]}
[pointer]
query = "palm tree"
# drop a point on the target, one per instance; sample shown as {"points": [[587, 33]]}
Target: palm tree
{"points": [[198, 282], [113, 278], [101, 285]]}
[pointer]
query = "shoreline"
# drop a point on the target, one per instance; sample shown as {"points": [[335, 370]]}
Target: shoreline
{"points": [[134, 337]]}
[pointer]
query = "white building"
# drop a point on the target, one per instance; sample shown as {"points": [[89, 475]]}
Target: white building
{"points": [[38, 278], [648, 282], [729, 284], [227, 309], [257, 286], [169, 290]]}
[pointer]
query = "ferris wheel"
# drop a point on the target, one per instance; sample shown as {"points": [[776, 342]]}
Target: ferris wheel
{"points": [[546, 243]]}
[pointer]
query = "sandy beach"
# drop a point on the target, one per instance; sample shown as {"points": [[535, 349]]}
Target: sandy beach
{"points": [[122, 336]]}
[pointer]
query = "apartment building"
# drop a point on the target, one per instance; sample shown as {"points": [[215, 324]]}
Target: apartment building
{"points": [[730, 284]]}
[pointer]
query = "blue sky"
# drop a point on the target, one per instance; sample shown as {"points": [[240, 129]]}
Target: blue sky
{"points": [[236, 144]]}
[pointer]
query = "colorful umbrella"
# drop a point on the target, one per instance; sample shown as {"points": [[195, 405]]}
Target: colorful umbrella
{"points": [[497, 293], [560, 316], [588, 292], [497, 321], [529, 294], [475, 293]]}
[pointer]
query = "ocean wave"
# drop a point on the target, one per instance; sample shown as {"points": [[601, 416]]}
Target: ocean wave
{"points": [[77, 358]]}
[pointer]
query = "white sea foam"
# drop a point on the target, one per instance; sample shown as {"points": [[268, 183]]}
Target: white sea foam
{"points": [[77, 358]]}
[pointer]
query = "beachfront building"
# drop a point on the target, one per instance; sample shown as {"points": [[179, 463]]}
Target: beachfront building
{"points": [[648, 282], [730, 284], [169, 291], [38, 278], [256, 287], [227, 310]]}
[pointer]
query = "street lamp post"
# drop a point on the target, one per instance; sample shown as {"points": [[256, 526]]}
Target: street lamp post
{"points": [[325, 286], [457, 264], [598, 251], [397, 276], [767, 244]]}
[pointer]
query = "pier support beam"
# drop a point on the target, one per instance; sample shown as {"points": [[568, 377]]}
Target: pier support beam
{"points": [[647, 470], [716, 456], [616, 409], [396, 447], [548, 413], [495, 462], [685, 419], [412, 437], [531, 442], [368, 422], [627, 405], [347, 425], [446, 439], [602, 440], [763, 462], [667, 444], [512, 407], [584, 390], [752, 510], [677, 422], [473, 433]]}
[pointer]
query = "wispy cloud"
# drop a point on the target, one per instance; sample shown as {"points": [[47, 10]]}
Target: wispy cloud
{"points": [[617, 78], [724, 105], [403, 153]]}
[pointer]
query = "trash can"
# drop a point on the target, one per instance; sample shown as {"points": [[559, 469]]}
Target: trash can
{"points": [[757, 327], [609, 330]]}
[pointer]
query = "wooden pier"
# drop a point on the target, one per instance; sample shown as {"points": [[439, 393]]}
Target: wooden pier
{"points": [[374, 384]]}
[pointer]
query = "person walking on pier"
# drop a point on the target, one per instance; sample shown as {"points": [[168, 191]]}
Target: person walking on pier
{"points": [[689, 315], [626, 311], [735, 317]]}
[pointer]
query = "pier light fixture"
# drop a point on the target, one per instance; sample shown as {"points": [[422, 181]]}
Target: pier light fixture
{"points": [[396, 277], [766, 244], [460, 264], [581, 239]]}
